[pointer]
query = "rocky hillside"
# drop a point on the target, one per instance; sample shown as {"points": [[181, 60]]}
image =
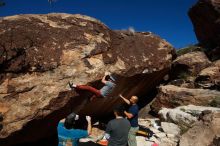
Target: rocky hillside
{"points": [[41, 53], [191, 97], [205, 15]]}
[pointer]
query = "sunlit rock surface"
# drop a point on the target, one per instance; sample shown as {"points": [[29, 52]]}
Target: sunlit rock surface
{"points": [[171, 96], [41, 53]]}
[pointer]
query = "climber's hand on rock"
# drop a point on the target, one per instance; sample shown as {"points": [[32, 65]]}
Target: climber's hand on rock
{"points": [[88, 118]]}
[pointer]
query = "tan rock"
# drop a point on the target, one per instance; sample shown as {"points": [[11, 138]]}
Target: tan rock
{"points": [[170, 129], [185, 116], [171, 96], [41, 53], [210, 76], [203, 132], [193, 62], [177, 116]]}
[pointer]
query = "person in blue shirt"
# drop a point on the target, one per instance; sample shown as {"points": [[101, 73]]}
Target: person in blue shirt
{"points": [[109, 84], [132, 115], [67, 131]]}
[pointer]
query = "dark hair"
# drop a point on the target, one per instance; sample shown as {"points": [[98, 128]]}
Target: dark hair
{"points": [[119, 109], [110, 78], [70, 121], [107, 77]]}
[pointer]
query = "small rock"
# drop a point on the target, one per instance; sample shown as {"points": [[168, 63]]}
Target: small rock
{"points": [[173, 137], [177, 116], [167, 142], [154, 139], [170, 128], [142, 141], [160, 135]]}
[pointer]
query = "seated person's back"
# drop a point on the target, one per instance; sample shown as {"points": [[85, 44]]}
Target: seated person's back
{"points": [[119, 132], [118, 128]]}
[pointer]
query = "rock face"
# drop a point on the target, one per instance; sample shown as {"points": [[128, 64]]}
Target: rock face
{"points": [[41, 53], [170, 128], [194, 125], [171, 96], [177, 116], [204, 132], [205, 15], [162, 137], [185, 116], [191, 63], [210, 76]]}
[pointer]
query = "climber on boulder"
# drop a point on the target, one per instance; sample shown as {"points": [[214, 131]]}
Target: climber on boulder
{"points": [[109, 84]]}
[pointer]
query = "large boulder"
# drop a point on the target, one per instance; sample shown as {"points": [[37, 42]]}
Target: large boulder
{"points": [[210, 76], [41, 53], [185, 116], [205, 15], [204, 132], [171, 96], [170, 128], [177, 116], [189, 64]]}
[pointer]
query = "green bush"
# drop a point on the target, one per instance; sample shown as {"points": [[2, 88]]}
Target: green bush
{"points": [[183, 129], [190, 48], [183, 75], [215, 102]]}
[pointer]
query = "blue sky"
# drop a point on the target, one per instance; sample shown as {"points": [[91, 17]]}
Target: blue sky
{"points": [[166, 18]]}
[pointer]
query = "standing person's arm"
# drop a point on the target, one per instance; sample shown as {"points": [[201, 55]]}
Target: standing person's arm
{"points": [[125, 100], [128, 115], [89, 127], [131, 112]]}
